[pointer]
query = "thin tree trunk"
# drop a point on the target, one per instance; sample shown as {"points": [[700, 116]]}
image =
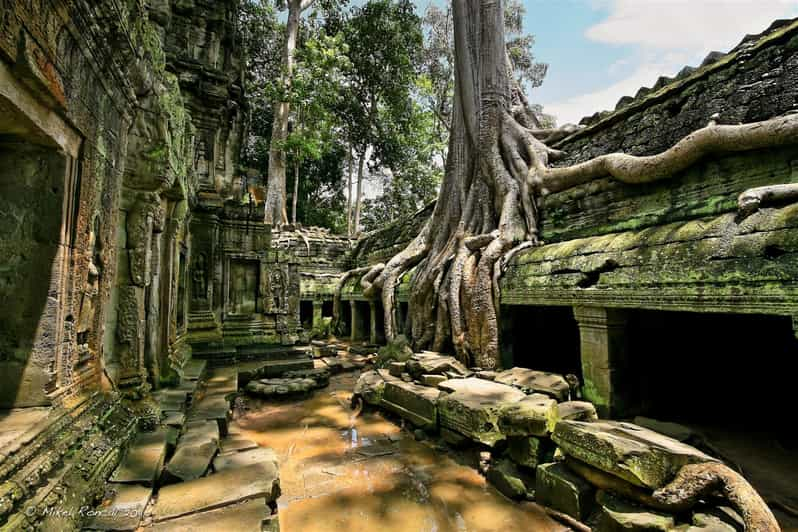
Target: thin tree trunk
{"points": [[358, 198], [275, 206], [296, 191], [349, 197]]}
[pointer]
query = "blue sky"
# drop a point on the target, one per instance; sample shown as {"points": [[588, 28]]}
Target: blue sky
{"points": [[601, 50]]}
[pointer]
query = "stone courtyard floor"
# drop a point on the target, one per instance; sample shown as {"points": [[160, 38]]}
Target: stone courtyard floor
{"points": [[344, 473]]}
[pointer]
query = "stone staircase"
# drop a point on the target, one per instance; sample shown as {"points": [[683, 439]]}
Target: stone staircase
{"points": [[191, 473]]}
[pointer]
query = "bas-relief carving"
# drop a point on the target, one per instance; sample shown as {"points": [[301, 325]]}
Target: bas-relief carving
{"points": [[199, 278], [278, 291]]}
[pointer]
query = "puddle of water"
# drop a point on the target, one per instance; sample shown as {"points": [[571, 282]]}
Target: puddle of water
{"points": [[366, 474]]}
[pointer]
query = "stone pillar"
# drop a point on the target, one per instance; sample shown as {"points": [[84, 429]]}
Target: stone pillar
{"points": [[605, 359], [372, 322], [317, 317], [357, 332]]}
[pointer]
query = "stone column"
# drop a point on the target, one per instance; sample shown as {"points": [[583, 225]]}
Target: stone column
{"points": [[605, 359], [317, 317], [357, 332], [372, 322]]}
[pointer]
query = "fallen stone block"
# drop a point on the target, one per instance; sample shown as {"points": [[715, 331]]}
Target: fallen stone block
{"points": [[635, 454], [195, 450], [531, 381], [434, 364], [558, 487], [529, 451], [214, 407], [487, 374], [413, 402], [531, 416], [619, 515], [125, 509], [144, 459], [248, 515], [509, 480], [257, 481], [474, 406], [396, 368], [194, 369], [371, 385]]}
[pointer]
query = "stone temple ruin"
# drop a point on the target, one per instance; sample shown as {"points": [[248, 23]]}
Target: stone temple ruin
{"points": [[140, 301]]}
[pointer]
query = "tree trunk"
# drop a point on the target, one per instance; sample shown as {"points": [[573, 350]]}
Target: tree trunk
{"points": [[296, 191], [484, 207], [360, 163], [275, 211], [349, 198]]}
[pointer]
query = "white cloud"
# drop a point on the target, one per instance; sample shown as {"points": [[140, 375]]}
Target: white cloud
{"points": [[667, 35], [687, 24]]}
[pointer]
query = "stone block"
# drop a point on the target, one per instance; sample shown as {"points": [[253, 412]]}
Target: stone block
{"points": [[532, 381], [618, 515], [414, 402], [195, 450], [509, 480], [233, 444], [635, 454], [432, 380], [531, 416], [558, 487], [434, 364], [474, 406], [396, 368], [371, 385], [573, 411]]}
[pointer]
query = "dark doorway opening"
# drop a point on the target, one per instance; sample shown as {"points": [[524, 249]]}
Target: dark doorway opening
{"points": [[306, 314], [540, 338]]}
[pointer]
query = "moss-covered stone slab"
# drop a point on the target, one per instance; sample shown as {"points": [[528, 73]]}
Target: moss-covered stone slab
{"points": [[509, 480], [529, 451], [433, 380], [414, 402], [573, 411], [396, 368], [257, 481], [633, 453], [618, 515], [558, 487], [123, 511], [474, 407], [429, 363], [247, 515], [320, 375], [268, 388], [531, 416], [532, 381]]}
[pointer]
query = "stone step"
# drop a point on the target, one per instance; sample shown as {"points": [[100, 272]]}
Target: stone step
{"points": [[195, 451], [144, 459], [123, 511], [212, 408], [194, 369], [247, 516], [257, 481], [272, 368]]}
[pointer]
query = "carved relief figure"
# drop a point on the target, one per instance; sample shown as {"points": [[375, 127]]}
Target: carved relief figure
{"points": [[199, 278], [278, 287]]}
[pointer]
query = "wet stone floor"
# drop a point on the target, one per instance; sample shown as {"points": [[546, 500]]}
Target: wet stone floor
{"points": [[344, 473]]}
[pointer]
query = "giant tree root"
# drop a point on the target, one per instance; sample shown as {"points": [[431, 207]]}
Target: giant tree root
{"points": [[713, 138], [696, 481], [753, 199]]}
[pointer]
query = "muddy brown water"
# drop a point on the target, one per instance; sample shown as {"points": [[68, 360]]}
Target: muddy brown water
{"points": [[346, 474]]}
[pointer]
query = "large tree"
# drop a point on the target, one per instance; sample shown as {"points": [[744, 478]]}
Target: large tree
{"points": [[485, 205]]}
